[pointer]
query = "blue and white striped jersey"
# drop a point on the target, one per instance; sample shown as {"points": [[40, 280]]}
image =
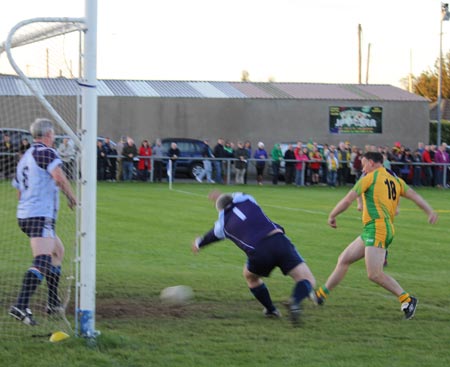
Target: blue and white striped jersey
{"points": [[39, 194]]}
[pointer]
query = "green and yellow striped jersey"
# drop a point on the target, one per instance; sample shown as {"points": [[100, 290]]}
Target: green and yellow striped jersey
{"points": [[380, 191]]}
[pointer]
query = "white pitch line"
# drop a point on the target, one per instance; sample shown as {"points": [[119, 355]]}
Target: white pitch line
{"points": [[266, 205], [271, 206], [296, 209], [191, 193]]}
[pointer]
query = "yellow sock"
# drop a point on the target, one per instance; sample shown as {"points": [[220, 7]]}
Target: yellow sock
{"points": [[323, 292], [404, 298]]}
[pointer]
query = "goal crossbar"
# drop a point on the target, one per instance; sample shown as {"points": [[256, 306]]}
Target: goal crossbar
{"points": [[60, 27]]}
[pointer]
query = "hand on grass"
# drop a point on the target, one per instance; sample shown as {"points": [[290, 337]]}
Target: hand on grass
{"points": [[432, 218], [332, 222], [194, 247]]}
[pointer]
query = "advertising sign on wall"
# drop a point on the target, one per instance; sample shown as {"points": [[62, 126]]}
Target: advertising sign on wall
{"points": [[356, 120]]}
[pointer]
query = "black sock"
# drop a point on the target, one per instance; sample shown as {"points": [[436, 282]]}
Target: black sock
{"points": [[31, 280], [262, 294], [301, 291], [52, 283]]}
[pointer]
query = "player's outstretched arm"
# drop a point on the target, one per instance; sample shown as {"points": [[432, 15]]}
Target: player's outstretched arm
{"points": [[340, 207], [204, 240], [421, 203]]}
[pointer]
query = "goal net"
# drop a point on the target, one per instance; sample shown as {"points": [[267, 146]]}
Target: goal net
{"points": [[43, 51]]}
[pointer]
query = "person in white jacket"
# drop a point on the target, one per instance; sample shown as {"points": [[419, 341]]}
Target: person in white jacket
{"points": [[66, 151]]}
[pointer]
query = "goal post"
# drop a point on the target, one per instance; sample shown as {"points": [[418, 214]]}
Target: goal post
{"points": [[84, 136], [86, 311]]}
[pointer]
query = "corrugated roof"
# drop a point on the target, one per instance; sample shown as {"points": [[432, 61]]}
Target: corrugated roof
{"points": [[103, 89], [11, 85], [208, 90], [251, 90], [141, 88], [323, 91], [274, 91], [175, 89], [120, 88], [228, 90], [8, 87], [60, 87], [389, 92]]}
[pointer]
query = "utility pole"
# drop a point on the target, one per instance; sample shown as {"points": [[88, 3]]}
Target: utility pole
{"points": [[47, 60], [445, 16], [359, 53], [368, 63], [410, 88]]}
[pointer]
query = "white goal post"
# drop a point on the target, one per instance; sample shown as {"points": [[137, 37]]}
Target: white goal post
{"points": [[85, 140]]}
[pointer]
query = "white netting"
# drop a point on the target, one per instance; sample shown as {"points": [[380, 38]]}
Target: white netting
{"points": [[42, 60]]}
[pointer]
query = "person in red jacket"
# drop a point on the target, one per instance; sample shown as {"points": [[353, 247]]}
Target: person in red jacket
{"points": [[428, 169], [144, 164], [316, 157]]}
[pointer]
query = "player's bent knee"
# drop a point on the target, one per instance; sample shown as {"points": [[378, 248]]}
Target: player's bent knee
{"points": [[58, 252], [375, 276], [252, 280], [302, 272], [43, 263]]}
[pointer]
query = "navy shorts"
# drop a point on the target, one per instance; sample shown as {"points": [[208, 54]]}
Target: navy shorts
{"points": [[37, 227], [274, 251]]}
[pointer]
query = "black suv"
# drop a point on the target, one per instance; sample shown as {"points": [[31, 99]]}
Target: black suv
{"points": [[191, 149], [16, 135]]}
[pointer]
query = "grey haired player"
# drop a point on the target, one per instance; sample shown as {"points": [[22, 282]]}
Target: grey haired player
{"points": [[39, 177]]}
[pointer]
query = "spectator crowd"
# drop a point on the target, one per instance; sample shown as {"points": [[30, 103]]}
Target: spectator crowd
{"points": [[299, 164]]}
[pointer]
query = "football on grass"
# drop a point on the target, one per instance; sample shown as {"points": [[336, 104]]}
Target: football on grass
{"points": [[177, 295]]}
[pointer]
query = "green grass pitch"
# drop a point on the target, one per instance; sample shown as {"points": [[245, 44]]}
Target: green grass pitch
{"points": [[144, 236]]}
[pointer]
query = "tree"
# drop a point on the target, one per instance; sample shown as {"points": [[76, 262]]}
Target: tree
{"points": [[245, 76], [445, 132], [426, 84]]}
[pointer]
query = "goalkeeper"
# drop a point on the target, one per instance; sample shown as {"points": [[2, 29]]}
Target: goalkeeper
{"points": [[39, 177], [243, 221]]}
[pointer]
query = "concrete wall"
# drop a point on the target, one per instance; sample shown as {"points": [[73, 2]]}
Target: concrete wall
{"points": [[256, 120], [266, 120]]}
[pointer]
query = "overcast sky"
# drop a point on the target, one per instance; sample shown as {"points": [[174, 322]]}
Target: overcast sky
{"points": [[286, 40]]}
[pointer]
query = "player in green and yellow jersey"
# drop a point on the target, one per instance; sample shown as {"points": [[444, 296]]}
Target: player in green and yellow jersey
{"points": [[380, 190]]}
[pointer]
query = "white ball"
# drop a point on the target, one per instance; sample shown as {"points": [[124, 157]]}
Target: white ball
{"points": [[177, 295]]}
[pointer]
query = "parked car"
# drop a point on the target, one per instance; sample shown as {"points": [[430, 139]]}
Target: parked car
{"points": [[189, 148], [16, 135]]}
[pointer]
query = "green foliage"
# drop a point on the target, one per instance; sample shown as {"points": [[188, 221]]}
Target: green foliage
{"points": [[144, 236], [426, 84], [445, 132]]}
